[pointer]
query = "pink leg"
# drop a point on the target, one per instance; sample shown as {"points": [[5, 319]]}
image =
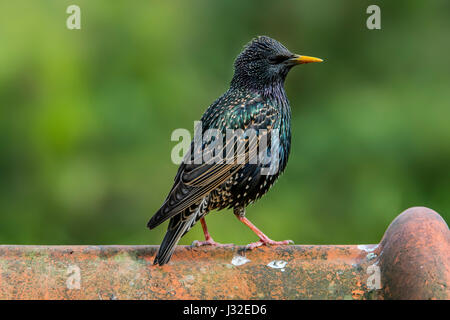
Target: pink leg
{"points": [[263, 239], [208, 239]]}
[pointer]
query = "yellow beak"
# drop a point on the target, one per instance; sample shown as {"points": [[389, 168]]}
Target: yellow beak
{"points": [[304, 59]]}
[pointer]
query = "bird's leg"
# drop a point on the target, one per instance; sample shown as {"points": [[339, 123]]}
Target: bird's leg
{"points": [[263, 239], [209, 241]]}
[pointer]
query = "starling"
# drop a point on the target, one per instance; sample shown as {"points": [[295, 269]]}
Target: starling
{"points": [[255, 100]]}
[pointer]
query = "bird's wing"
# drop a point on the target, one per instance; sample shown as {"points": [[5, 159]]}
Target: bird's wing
{"points": [[194, 181]]}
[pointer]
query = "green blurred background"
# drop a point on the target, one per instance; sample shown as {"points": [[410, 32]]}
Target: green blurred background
{"points": [[86, 115]]}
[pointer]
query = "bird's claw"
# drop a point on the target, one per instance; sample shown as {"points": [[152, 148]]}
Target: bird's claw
{"points": [[210, 242], [268, 242]]}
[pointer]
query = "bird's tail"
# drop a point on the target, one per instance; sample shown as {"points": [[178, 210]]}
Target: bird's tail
{"points": [[178, 226]]}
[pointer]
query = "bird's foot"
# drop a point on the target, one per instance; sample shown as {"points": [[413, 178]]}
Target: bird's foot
{"points": [[210, 242], [268, 242]]}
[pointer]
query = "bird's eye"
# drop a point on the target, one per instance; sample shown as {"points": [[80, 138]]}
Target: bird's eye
{"points": [[277, 59]]}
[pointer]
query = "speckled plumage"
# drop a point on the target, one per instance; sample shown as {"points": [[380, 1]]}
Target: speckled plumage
{"points": [[256, 99]]}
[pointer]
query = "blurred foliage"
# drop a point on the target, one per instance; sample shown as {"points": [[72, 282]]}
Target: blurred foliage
{"points": [[86, 115]]}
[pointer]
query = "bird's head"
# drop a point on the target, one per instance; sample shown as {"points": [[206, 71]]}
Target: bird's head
{"points": [[265, 62]]}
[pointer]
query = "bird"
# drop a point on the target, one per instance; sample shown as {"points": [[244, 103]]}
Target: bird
{"points": [[256, 100]]}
